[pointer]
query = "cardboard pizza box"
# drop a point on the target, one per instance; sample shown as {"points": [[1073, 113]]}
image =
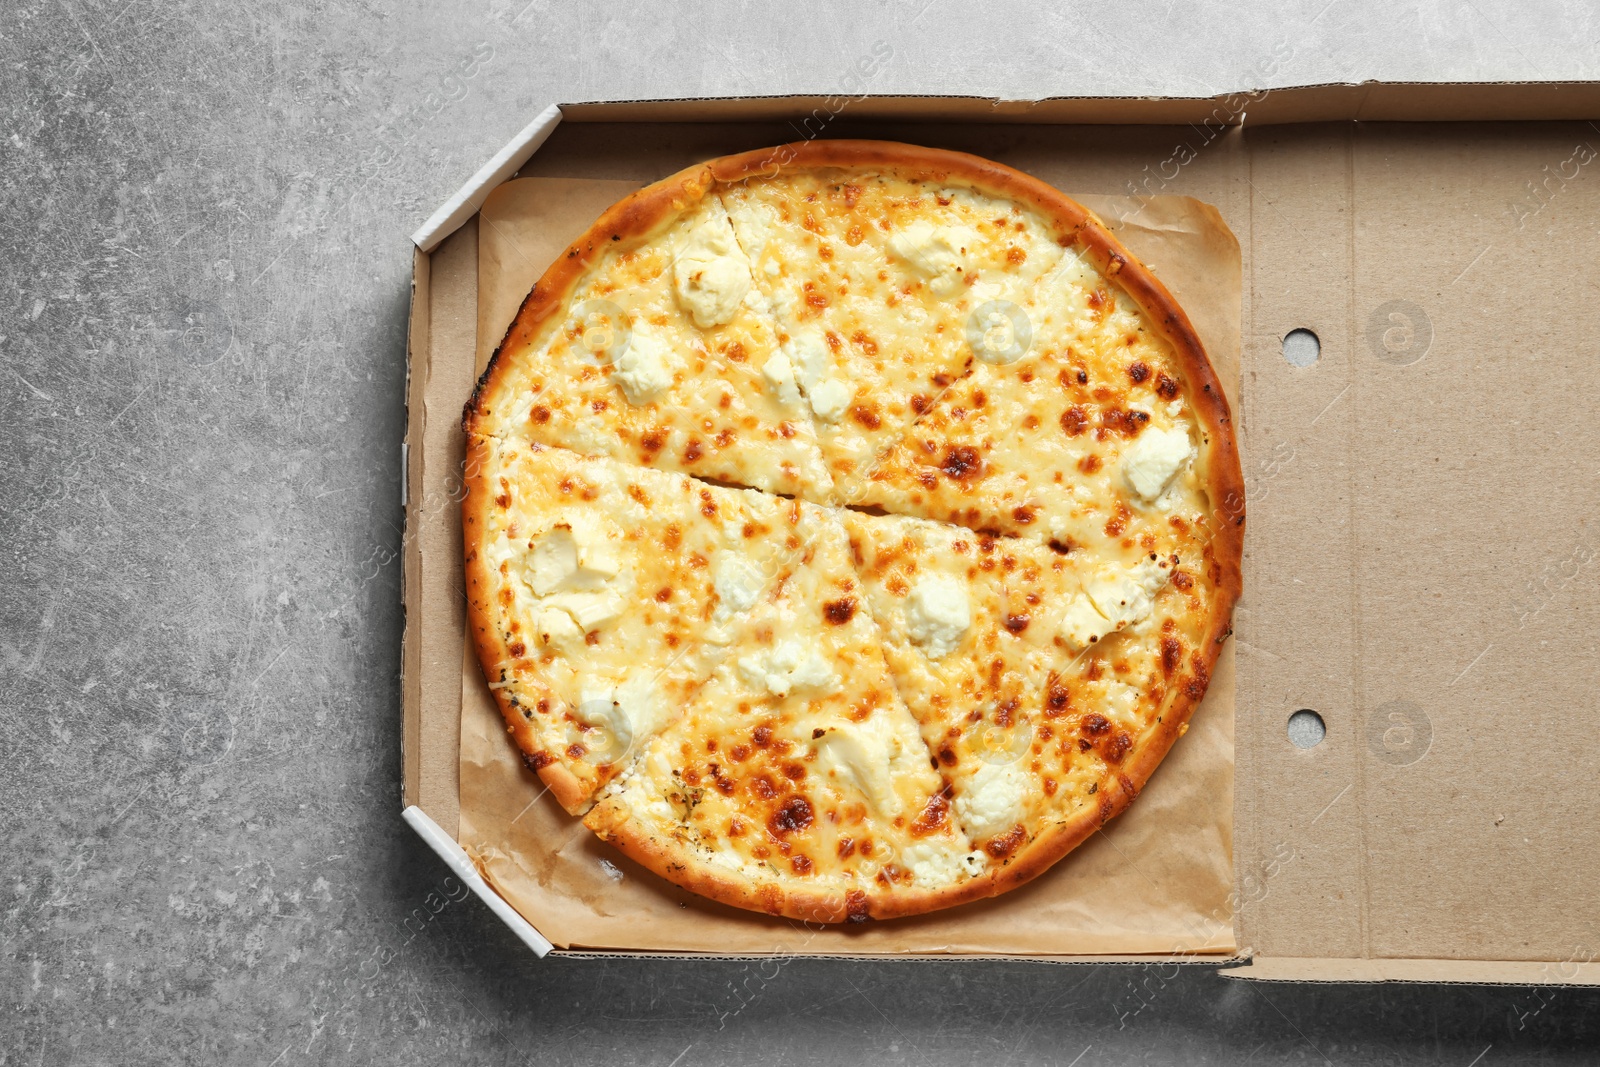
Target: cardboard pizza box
{"points": [[1408, 731]]}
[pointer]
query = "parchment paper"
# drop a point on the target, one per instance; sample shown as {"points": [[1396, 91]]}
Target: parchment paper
{"points": [[1157, 880]]}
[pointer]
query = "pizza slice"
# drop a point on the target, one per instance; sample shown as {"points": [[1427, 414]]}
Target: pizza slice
{"points": [[601, 595], [647, 347], [1033, 678], [796, 782], [1098, 436], [882, 286]]}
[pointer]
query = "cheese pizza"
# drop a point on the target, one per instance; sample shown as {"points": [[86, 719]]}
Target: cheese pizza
{"points": [[851, 528]]}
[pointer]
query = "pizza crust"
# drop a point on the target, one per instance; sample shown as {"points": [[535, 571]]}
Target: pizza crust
{"points": [[653, 209], [612, 823]]}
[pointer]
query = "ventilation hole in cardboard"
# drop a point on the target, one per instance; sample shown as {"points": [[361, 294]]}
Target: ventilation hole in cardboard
{"points": [[1301, 348], [1306, 729]]}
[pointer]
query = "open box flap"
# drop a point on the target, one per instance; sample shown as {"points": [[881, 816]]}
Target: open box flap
{"points": [[453, 855], [502, 165], [1423, 551]]}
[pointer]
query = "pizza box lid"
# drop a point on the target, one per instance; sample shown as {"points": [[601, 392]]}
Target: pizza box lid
{"points": [[1421, 555]]}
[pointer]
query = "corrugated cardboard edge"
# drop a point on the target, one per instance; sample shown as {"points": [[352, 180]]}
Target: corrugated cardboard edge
{"points": [[502, 165], [1448, 972], [1325, 102], [880, 957], [1371, 101], [456, 858], [1368, 101], [417, 339]]}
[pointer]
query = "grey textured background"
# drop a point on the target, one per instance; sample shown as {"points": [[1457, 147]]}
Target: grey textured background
{"points": [[203, 220]]}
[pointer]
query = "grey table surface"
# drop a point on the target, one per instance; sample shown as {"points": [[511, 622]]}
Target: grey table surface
{"points": [[203, 219]]}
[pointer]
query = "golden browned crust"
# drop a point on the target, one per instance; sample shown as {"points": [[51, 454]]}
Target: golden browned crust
{"points": [[649, 210], [572, 792], [679, 864]]}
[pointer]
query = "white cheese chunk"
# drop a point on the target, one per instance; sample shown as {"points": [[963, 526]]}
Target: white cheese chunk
{"points": [[570, 558], [611, 732], [1081, 625], [737, 581], [938, 863], [991, 801], [711, 273], [829, 399], [938, 615], [810, 361], [559, 630], [644, 369], [621, 713], [810, 355], [788, 667], [779, 373], [1114, 598], [1154, 459], [1125, 596], [937, 253], [588, 610], [862, 755], [756, 225], [552, 563], [995, 336], [597, 706]]}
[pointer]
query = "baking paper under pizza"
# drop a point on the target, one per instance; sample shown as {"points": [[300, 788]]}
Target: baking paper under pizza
{"points": [[851, 528]]}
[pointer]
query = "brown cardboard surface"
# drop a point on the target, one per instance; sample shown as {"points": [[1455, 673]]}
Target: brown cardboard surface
{"points": [[1421, 555], [417, 345], [1365, 101], [433, 543], [810, 114], [1157, 881], [1570, 972], [1423, 548]]}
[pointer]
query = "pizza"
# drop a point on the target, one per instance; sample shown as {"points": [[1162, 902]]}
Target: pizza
{"points": [[851, 528]]}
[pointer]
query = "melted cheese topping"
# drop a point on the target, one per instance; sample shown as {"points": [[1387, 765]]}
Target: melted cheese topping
{"points": [[872, 281], [1006, 708], [776, 770], [587, 602], [1083, 438], [658, 360], [824, 697]]}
